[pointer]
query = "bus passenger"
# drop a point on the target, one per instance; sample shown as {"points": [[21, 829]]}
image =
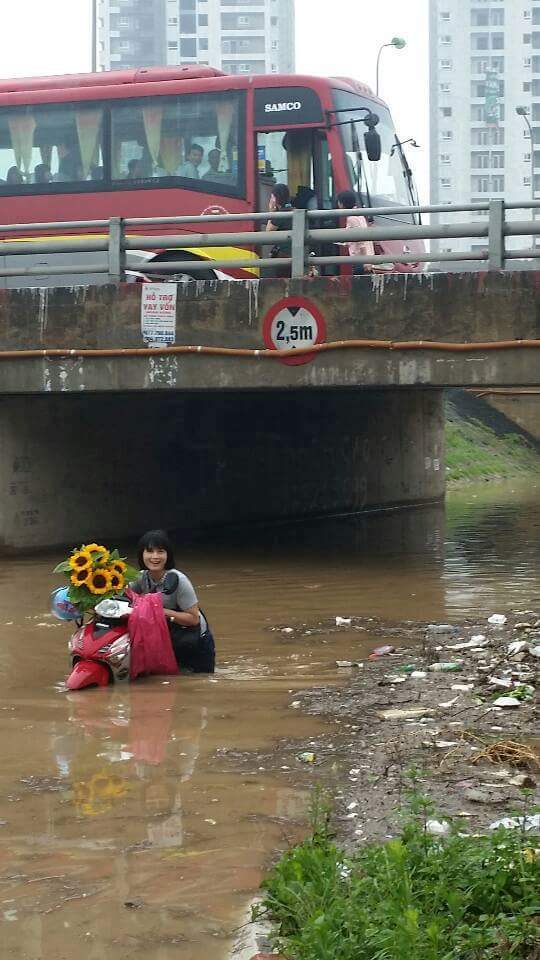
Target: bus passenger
{"points": [[14, 175], [280, 200], [135, 169], [213, 173], [42, 173], [346, 200], [193, 161], [69, 167]]}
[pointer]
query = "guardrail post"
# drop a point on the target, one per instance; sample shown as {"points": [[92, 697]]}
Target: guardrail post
{"points": [[117, 253], [298, 241], [496, 240]]}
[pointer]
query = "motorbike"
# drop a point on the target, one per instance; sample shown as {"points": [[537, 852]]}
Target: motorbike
{"points": [[100, 650]]}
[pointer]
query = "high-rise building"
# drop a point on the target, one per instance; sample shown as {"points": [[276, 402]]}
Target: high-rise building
{"points": [[237, 36], [483, 67]]}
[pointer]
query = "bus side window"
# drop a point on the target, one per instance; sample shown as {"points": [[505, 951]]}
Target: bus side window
{"points": [[50, 144], [284, 156]]}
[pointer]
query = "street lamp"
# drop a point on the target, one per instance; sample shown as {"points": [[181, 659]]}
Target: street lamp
{"points": [[524, 112], [398, 43]]}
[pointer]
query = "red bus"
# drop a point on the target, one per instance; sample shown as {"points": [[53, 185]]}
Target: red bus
{"points": [[175, 141]]}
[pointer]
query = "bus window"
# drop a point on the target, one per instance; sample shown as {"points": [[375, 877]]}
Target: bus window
{"points": [[194, 137], [49, 144], [284, 156], [299, 158]]}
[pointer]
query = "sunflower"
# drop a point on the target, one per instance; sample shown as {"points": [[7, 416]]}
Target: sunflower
{"points": [[80, 577], [95, 548], [99, 581], [117, 580], [80, 560], [118, 566]]}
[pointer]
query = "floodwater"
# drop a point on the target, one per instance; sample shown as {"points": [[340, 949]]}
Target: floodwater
{"points": [[131, 822]]}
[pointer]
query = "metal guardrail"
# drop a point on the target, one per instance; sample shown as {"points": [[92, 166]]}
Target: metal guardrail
{"points": [[117, 237]]}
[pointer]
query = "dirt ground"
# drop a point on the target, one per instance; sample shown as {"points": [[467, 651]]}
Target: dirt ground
{"points": [[478, 761]]}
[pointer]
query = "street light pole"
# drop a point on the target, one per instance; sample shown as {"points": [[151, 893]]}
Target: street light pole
{"points": [[93, 32], [398, 43], [523, 112]]}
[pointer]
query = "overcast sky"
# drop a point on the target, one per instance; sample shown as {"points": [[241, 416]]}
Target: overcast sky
{"points": [[334, 37]]}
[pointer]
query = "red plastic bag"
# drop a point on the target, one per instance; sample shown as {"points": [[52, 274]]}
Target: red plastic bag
{"points": [[151, 647]]}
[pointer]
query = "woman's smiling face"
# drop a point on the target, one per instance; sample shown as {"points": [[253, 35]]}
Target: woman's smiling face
{"points": [[155, 559]]}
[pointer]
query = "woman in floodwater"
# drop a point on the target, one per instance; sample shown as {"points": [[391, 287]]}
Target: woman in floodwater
{"points": [[191, 637]]}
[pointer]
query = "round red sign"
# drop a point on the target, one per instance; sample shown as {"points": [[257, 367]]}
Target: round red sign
{"points": [[291, 324]]}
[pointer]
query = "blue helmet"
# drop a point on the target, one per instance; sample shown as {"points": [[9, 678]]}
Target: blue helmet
{"points": [[61, 605]]}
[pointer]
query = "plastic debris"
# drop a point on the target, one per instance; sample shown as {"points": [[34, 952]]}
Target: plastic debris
{"points": [[449, 703], [500, 682], [287, 630], [527, 823], [438, 828], [295, 704], [343, 621], [534, 651], [307, 757], [476, 643], [446, 744], [507, 702], [349, 663], [497, 619], [442, 628], [446, 667], [393, 680], [418, 675], [518, 646], [407, 668], [462, 687], [381, 651], [407, 713], [523, 780]]}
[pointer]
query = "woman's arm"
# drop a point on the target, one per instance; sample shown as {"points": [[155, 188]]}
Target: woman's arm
{"points": [[271, 226], [186, 618]]}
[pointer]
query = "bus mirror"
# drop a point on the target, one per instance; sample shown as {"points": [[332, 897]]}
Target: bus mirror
{"points": [[372, 141]]}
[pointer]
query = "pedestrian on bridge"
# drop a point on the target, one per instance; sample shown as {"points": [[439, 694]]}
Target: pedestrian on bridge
{"points": [[346, 200]]}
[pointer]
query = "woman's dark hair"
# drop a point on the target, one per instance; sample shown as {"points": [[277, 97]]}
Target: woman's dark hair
{"points": [[347, 199], [155, 538], [281, 193]]}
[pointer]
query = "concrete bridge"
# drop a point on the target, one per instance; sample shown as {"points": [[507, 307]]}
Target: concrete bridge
{"points": [[103, 435]]}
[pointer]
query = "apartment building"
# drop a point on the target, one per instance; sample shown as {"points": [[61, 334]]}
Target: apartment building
{"points": [[484, 64], [237, 36]]}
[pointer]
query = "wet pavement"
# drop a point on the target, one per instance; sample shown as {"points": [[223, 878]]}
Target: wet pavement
{"points": [[130, 822]]}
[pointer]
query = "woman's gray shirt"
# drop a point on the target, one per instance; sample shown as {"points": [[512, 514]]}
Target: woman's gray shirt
{"points": [[177, 594]]}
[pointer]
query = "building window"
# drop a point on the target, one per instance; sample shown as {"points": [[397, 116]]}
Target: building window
{"points": [[172, 21], [445, 15], [480, 184], [188, 23], [446, 64], [527, 158], [527, 87], [446, 135], [527, 62], [274, 45], [445, 158], [444, 87], [188, 47], [172, 44], [497, 41], [446, 38], [526, 14], [480, 18], [497, 184], [526, 181], [273, 21], [203, 19], [526, 38], [446, 111], [480, 41], [446, 182], [480, 161], [496, 18], [497, 160], [203, 43]]}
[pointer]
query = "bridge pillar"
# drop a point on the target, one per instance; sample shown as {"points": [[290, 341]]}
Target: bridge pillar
{"points": [[90, 466]]}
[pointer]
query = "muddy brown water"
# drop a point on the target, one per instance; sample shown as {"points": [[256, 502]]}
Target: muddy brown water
{"points": [[130, 822]]}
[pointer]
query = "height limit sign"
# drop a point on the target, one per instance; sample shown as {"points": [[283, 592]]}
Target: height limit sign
{"points": [[294, 323]]}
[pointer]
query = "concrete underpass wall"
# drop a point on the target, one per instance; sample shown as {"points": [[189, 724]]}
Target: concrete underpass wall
{"points": [[74, 468]]}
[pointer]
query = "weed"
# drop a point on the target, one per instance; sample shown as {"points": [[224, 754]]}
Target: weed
{"points": [[411, 898]]}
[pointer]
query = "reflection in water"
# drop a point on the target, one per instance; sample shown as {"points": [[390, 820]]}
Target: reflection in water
{"points": [[141, 795]]}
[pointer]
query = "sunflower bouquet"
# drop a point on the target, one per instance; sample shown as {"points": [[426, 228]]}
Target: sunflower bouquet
{"points": [[95, 573]]}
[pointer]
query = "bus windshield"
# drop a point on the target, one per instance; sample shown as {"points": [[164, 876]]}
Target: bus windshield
{"points": [[382, 182]]}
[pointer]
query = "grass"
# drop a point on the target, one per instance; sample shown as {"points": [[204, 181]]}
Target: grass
{"points": [[474, 452], [411, 898]]}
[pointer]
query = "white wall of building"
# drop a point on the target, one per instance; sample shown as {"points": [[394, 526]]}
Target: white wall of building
{"points": [[474, 156]]}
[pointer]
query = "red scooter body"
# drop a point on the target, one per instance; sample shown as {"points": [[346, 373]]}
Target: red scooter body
{"points": [[100, 654]]}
